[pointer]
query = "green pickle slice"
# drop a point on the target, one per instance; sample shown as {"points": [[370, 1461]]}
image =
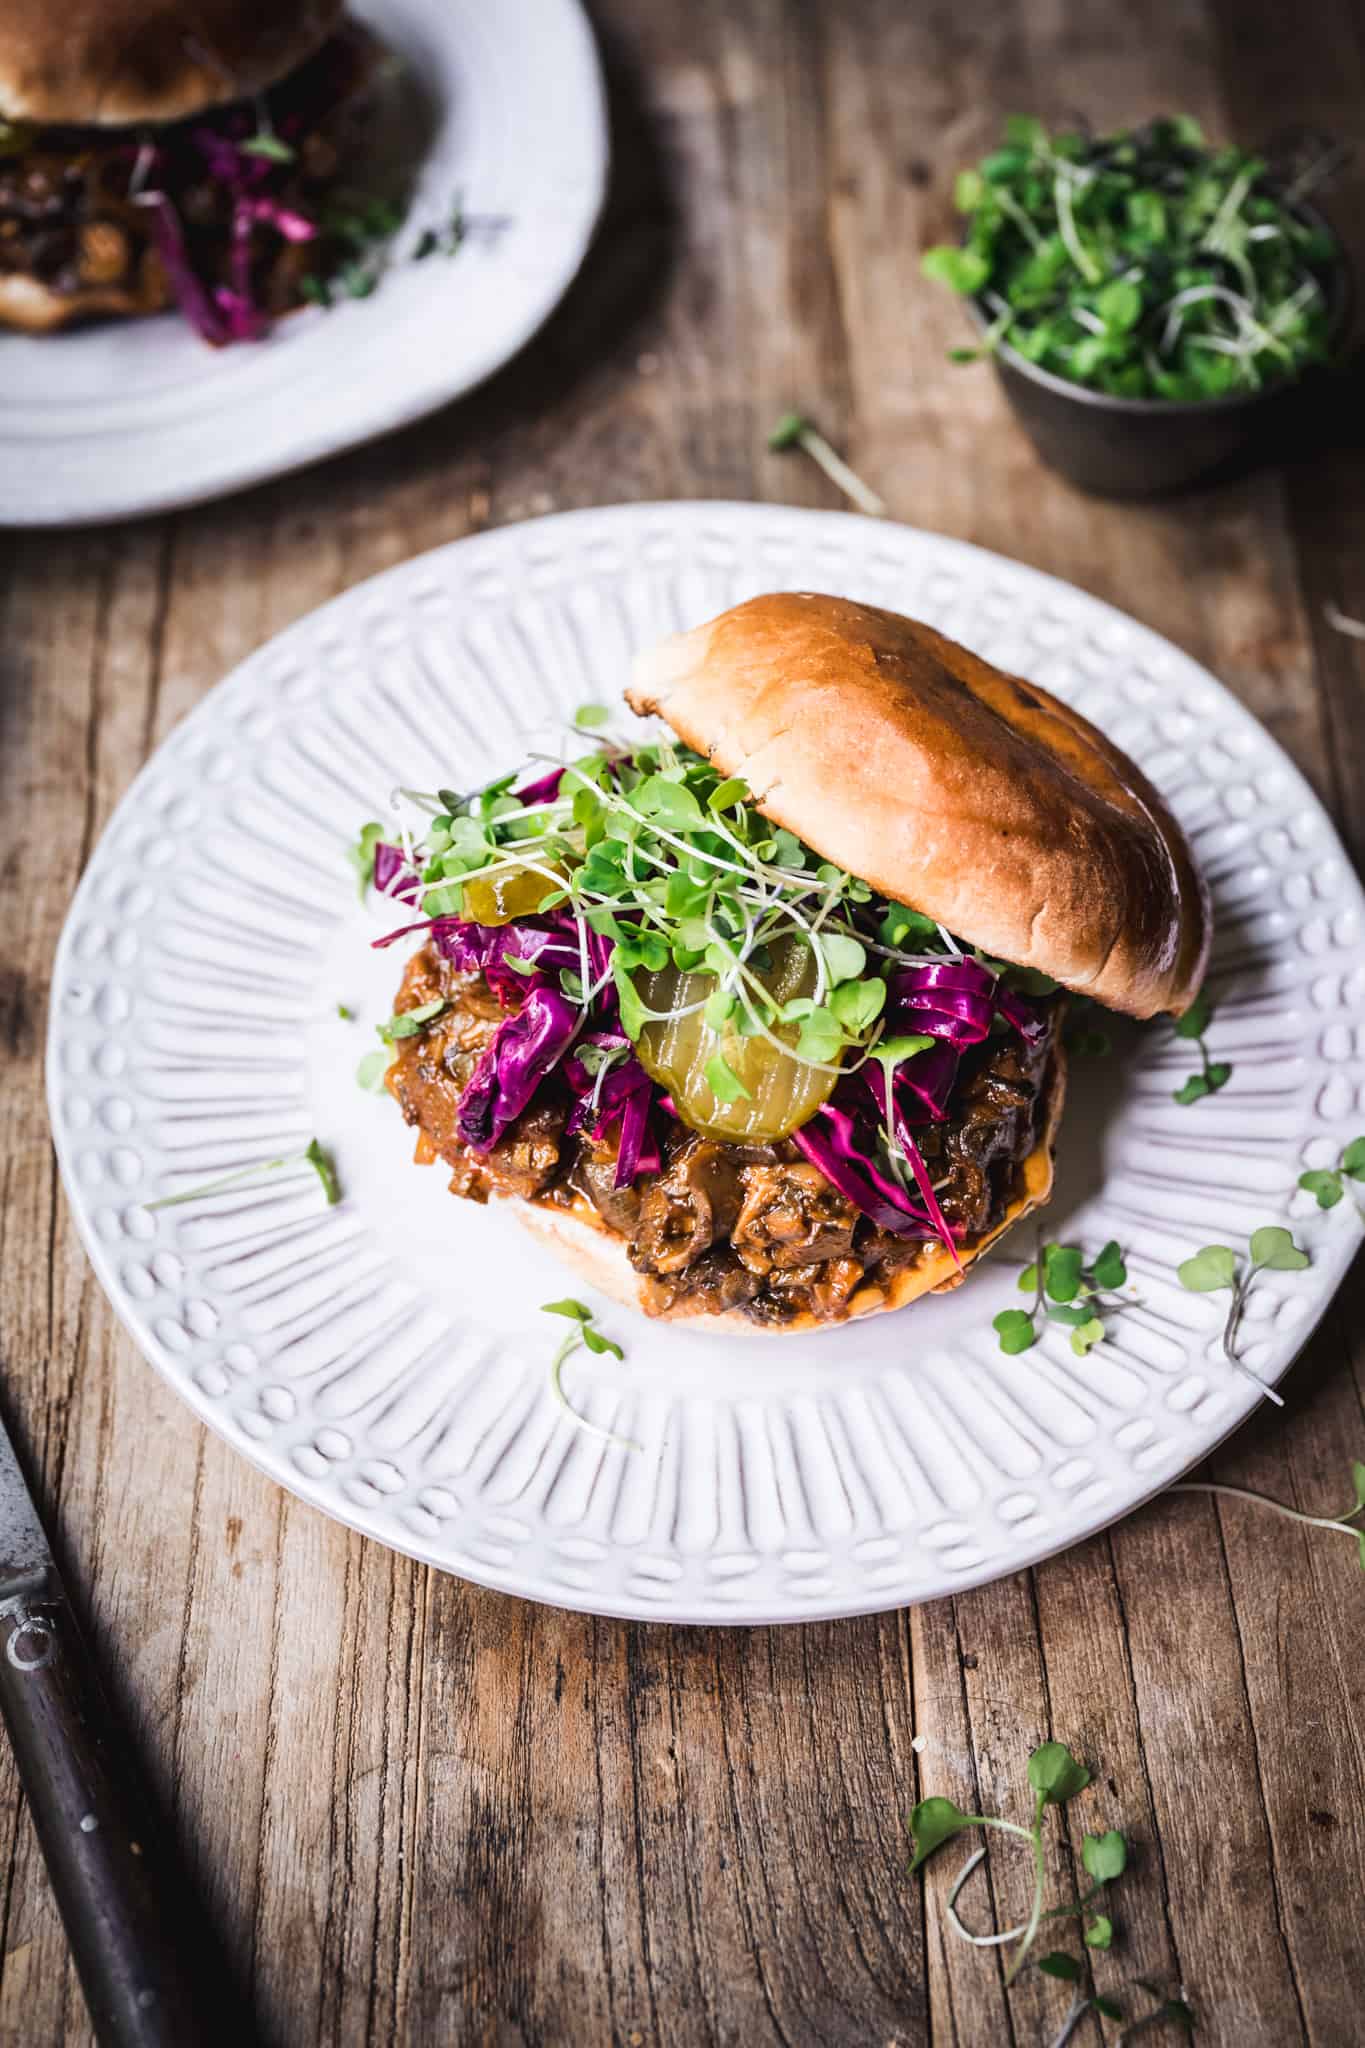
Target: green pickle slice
{"points": [[783, 1092], [499, 899]]}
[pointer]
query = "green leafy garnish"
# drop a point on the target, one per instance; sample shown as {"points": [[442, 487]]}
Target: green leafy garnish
{"points": [[730, 937], [582, 1333], [323, 1166], [1146, 264], [1056, 1776], [1347, 1521], [346, 1014], [1327, 1184], [1105, 1856], [1213, 1074], [1065, 1290], [372, 1069], [408, 1023], [1217, 1266], [588, 716], [361, 855], [312, 1155], [267, 144], [794, 431]]}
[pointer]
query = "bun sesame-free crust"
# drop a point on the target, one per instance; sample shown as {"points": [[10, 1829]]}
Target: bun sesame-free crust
{"points": [[110, 62], [965, 793]]}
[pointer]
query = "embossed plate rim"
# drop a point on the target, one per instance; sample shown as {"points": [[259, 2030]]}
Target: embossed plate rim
{"points": [[632, 530]]}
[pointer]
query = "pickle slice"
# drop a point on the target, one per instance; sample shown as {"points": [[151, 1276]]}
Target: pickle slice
{"points": [[783, 1092], [499, 899]]}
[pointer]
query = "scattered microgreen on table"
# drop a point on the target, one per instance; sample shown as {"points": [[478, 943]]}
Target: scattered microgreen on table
{"points": [[1146, 264], [794, 431], [1327, 1184], [1065, 1290], [1213, 1074], [1217, 1266], [581, 1333], [1056, 1776], [1347, 1522], [1342, 622]]}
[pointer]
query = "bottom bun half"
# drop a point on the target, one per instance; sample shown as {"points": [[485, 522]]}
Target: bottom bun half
{"points": [[598, 1255], [32, 307]]}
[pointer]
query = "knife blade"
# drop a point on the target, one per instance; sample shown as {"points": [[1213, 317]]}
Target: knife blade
{"points": [[26, 1567], [149, 1966]]}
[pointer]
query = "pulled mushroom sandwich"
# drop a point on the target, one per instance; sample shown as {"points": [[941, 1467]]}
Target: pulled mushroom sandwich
{"points": [[174, 152], [760, 1021]]}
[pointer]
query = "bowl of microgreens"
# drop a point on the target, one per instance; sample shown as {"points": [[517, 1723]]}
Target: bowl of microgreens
{"points": [[1153, 304]]}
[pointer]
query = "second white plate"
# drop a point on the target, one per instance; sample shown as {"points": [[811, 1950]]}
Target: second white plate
{"points": [[135, 416], [387, 1359]]}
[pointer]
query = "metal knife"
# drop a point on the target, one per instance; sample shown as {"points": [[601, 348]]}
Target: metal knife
{"points": [[148, 1965]]}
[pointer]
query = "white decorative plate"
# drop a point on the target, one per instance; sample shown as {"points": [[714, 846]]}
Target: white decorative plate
{"points": [[386, 1359], [115, 420]]}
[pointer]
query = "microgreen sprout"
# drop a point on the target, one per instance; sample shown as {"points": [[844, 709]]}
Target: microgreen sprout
{"points": [[1341, 622], [1067, 1291], [372, 1069], [312, 1155], [1347, 1522], [745, 968], [361, 855], [1327, 1184], [1146, 264], [346, 1013], [1169, 2008], [1055, 1776], [358, 235], [581, 1332], [1213, 1074], [1217, 1266], [267, 144], [794, 431]]}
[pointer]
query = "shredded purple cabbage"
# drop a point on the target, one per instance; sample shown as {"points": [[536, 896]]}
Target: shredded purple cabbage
{"points": [[1028, 1018], [394, 874], [924, 1083], [192, 295], [627, 1096], [927, 1195], [522, 1051], [833, 1142], [950, 999], [543, 790]]}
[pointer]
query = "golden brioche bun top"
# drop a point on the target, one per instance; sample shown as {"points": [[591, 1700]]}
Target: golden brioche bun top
{"points": [[110, 62], [967, 794]]}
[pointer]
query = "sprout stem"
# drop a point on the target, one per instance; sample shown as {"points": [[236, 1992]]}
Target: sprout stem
{"points": [[792, 431]]}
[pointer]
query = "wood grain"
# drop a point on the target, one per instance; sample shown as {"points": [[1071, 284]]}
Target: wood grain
{"points": [[425, 1813]]}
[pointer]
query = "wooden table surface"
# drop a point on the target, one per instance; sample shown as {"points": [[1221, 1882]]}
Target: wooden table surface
{"points": [[424, 1813]]}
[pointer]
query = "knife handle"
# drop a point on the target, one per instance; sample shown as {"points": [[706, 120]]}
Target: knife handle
{"points": [[152, 1978]]}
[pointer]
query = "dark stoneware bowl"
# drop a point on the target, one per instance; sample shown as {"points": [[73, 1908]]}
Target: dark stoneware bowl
{"points": [[1143, 447]]}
